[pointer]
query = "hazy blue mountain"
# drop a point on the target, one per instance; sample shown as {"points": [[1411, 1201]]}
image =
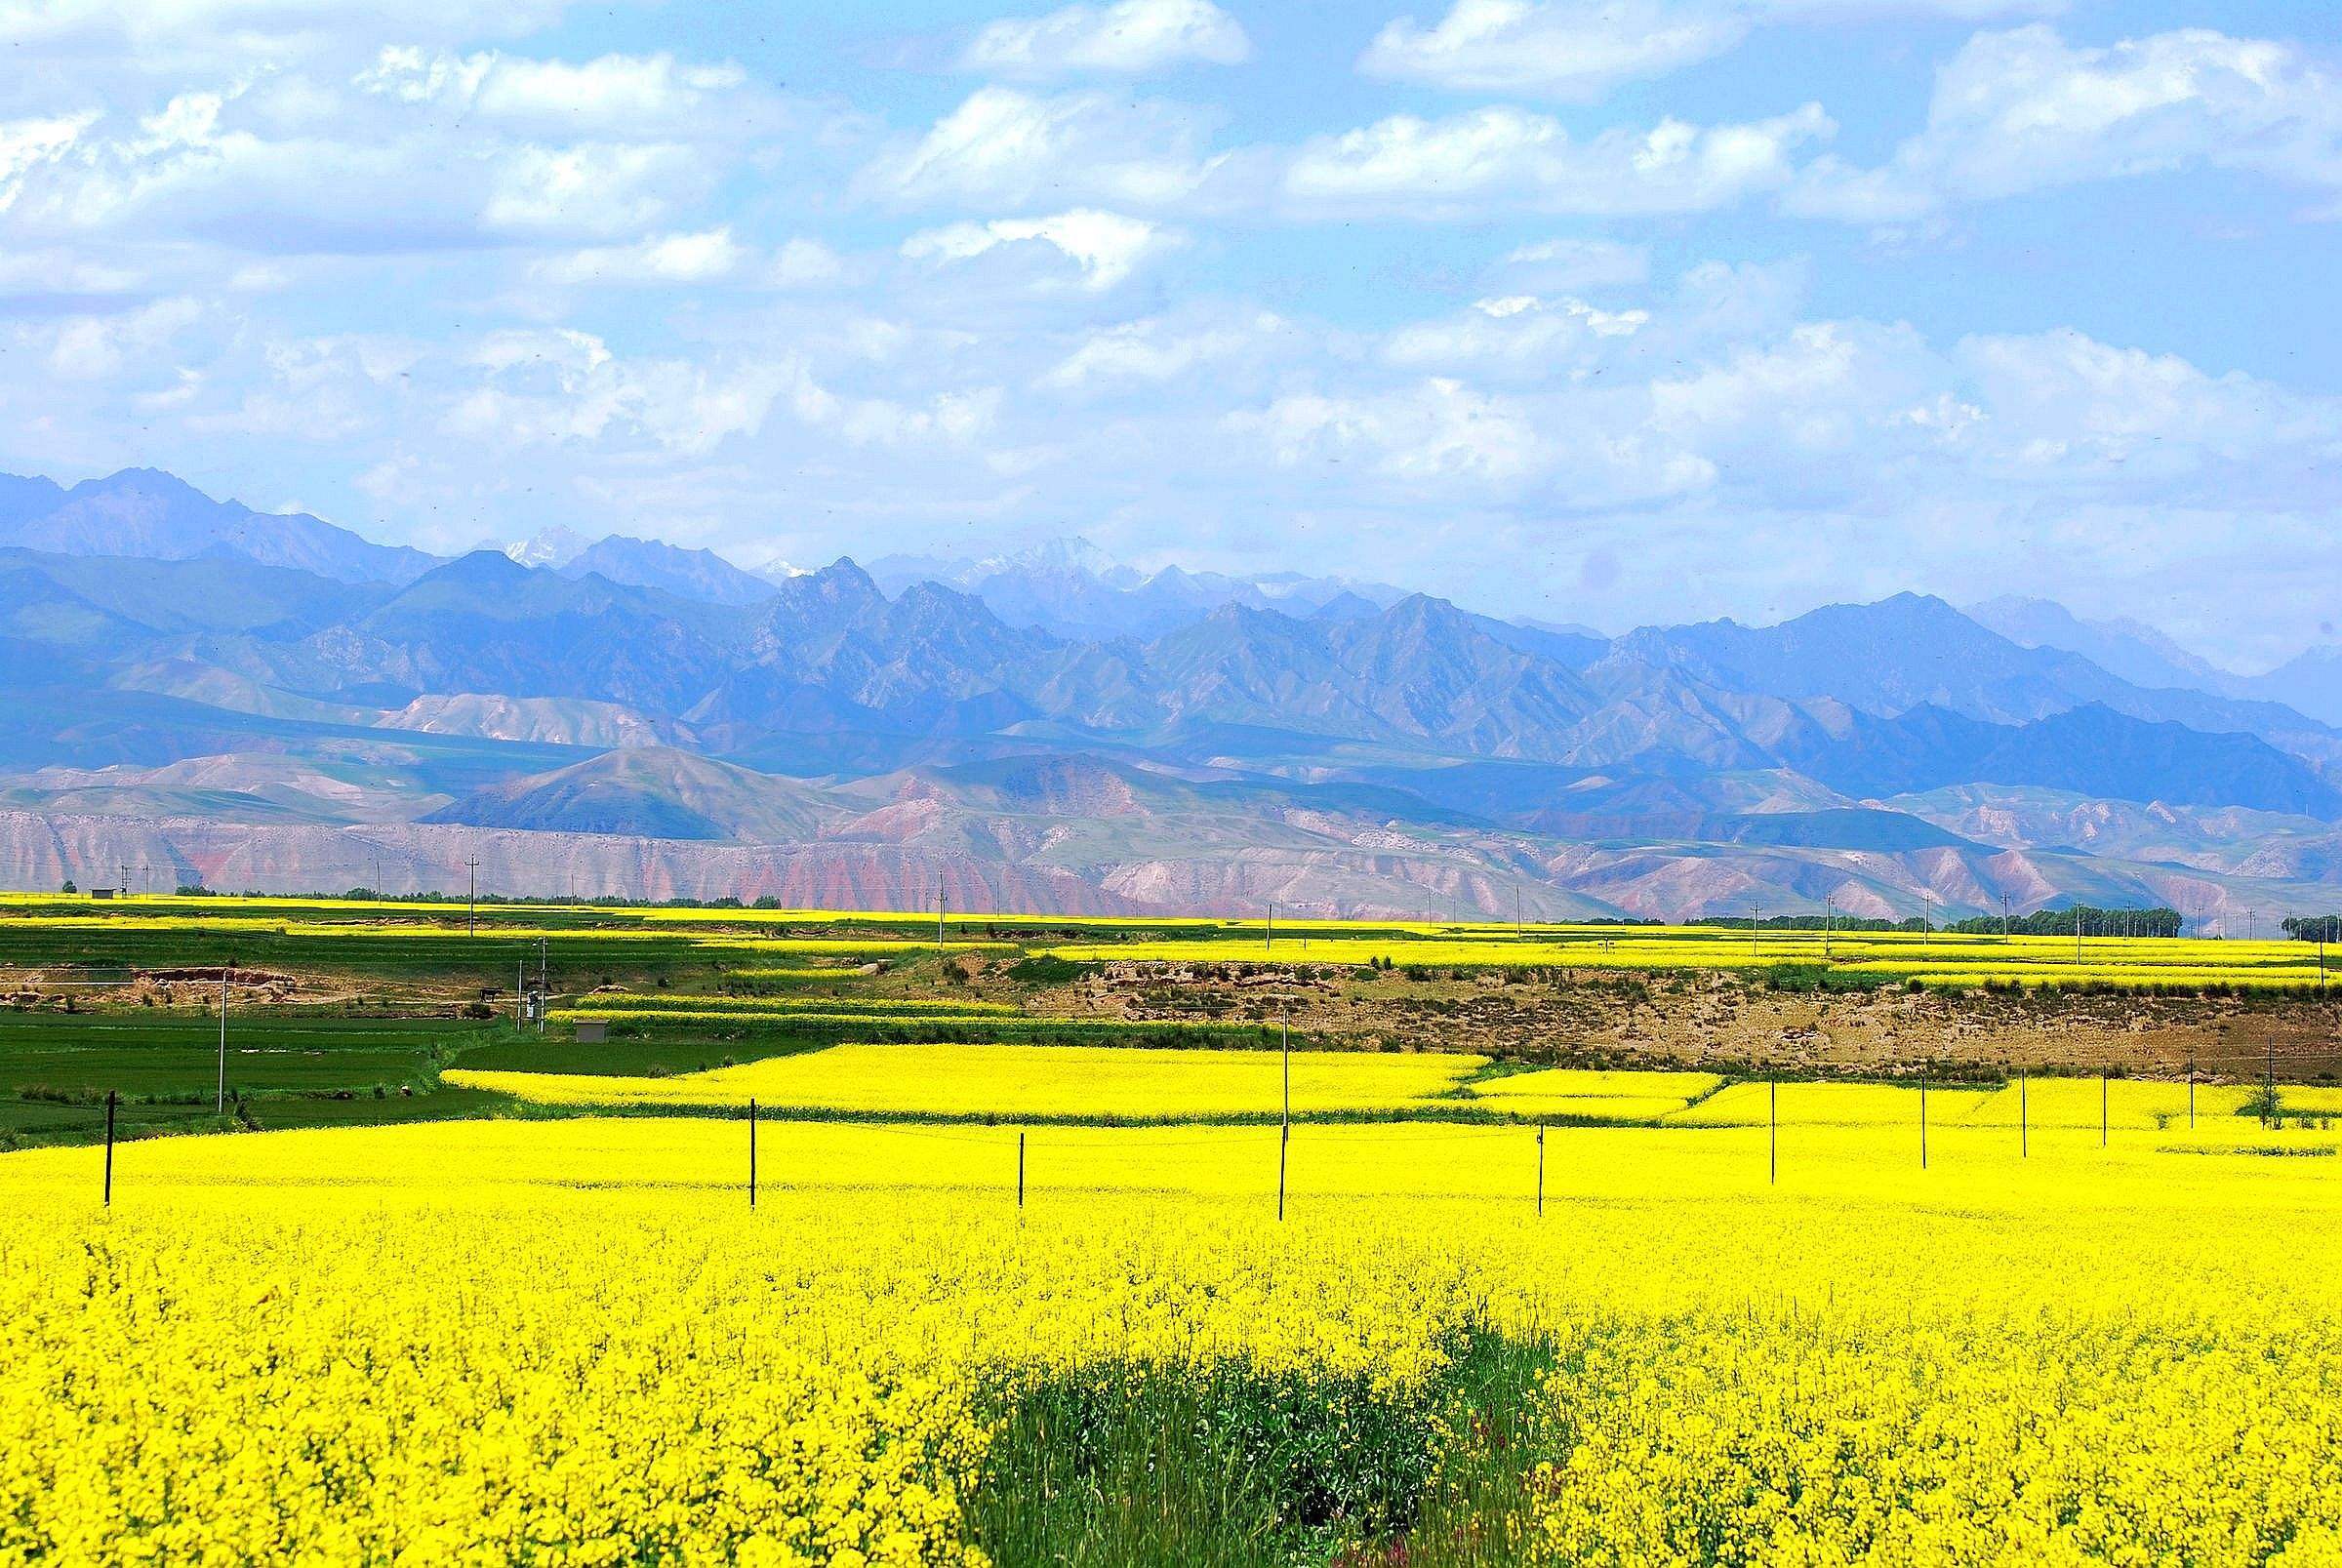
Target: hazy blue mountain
{"points": [[2311, 682], [644, 563], [1185, 739], [23, 499], [1072, 589], [2091, 750], [484, 622], [204, 595], [1915, 650], [148, 513], [2129, 649], [828, 651]]}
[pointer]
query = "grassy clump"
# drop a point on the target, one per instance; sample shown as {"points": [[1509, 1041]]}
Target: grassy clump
{"points": [[1046, 969], [1228, 1466], [1794, 977]]}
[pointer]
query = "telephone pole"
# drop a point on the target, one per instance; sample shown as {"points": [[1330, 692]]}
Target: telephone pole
{"points": [[220, 1100], [471, 907]]}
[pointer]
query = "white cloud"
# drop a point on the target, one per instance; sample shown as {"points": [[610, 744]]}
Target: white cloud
{"points": [[1512, 159], [1828, 387], [1515, 333], [1437, 431], [1578, 50], [2023, 110], [1565, 264], [1157, 350], [805, 263], [1106, 247], [26, 145], [131, 37], [101, 348], [596, 189], [279, 163], [2084, 406], [708, 256], [1006, 147], [637, 95], [1130, 37], [561, 387]]}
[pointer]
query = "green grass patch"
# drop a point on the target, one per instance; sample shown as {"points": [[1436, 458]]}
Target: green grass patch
{"points": [[1227, 1466]]}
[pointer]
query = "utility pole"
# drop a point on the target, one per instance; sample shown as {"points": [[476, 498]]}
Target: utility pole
{"points": [[545, 989], [2005, 930], [1751, 931], [471, 916], [943, 905], [1926, 909], [220, 1100], [1829, 921], [2077, 933], [1285, 1027], [1268, 935]]}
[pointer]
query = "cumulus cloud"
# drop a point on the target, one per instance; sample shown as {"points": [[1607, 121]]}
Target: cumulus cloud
{"points": [[1512, 159], [707, 257], [1158, 349], [1514, 334], [2024, 110], [1105, 247], [1436, 431], [422, 153], [636, 95], [1578, 50], [1007, 147], [1564, 264], [1129, 38]]}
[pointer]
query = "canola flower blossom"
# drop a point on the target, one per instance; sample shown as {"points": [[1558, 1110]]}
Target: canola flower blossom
{"points": [[572, 1340]]}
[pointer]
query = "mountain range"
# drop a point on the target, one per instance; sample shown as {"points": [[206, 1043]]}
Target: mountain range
{"points": [[267, 700]]}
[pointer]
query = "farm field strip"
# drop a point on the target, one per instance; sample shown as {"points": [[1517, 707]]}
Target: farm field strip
{"points": [[1011, 1080], [36, 930], [1073, 1082], [616, 1004]]}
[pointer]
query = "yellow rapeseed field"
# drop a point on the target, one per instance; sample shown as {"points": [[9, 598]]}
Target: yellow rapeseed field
{"points": [[1019, 1080], [572, 1342]]}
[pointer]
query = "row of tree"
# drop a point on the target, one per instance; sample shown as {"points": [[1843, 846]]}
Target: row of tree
{"points": [[2095, 922]]}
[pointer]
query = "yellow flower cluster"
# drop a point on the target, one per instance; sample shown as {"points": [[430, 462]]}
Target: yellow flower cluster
{"points": [[574, 1342]]}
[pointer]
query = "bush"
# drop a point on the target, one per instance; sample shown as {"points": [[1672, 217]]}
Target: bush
{"points": [[1045, 968]]}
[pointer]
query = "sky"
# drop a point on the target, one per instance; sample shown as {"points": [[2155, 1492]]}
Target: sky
{"points": [[1595, 312]]}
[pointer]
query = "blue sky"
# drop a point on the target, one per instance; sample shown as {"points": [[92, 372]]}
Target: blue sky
{"points": [[1605, 311]]}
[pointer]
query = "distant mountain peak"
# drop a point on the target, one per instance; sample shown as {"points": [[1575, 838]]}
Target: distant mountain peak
{"points": [[148, 514], [481, 566], [688, 574], [557, 546], [1070, 552]]}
